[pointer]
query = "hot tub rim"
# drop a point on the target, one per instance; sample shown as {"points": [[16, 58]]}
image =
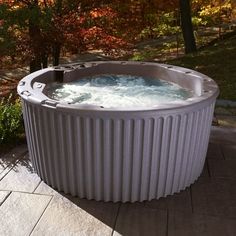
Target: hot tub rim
{"points": [[36, 96]]}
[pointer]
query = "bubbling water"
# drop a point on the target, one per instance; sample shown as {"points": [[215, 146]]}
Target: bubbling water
{"points": [[112, 91]]}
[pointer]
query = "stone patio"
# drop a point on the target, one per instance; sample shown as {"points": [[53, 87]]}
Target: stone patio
{"points": [[29, 207]]}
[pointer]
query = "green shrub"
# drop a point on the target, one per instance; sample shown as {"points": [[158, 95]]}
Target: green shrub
{"points": [[11, 120]]}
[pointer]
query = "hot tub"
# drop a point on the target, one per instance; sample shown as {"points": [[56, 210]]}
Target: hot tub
{"points": [[118, 154]]}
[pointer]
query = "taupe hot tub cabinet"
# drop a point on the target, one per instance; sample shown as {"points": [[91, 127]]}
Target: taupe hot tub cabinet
{"points": [[118, 154]]}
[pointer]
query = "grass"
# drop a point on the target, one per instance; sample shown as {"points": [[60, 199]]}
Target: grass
{"points": [[218, 62], [159, 52]]}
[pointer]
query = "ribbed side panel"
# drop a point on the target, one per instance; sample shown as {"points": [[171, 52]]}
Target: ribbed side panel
{"points": [[117, 159]]}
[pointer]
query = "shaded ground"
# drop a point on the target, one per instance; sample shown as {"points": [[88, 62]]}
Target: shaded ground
{"points": [[9, 79], [208, 207]]}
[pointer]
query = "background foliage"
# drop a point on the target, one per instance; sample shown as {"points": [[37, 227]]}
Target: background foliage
{"points": [[33, 29], [11, 122]]}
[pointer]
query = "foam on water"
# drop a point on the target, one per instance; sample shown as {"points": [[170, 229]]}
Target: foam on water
{"points": [[118, 91]]}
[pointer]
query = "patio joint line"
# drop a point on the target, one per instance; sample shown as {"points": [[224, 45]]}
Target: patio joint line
{"points": [[40, 216], [167, 222], [6, 198], [17, 191], [9, 170], [222, 153], [17, 161], [208, 168], [191, 198], [37, 186], [224, 178], [220, 216], [117, 214]]}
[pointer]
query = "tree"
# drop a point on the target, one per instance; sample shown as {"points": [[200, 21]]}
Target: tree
{"points": [[28, 22], [187, 27], [40, 28]]}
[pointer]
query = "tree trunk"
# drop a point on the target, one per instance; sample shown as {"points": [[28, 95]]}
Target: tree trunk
{"points": [[35, 65], [56, 53], [34, 33], [56, 47], [187, 27], [35, 36], [45, 60]]}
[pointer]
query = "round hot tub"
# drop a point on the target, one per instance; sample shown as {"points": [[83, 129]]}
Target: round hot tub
{"points": [[118, 153]]}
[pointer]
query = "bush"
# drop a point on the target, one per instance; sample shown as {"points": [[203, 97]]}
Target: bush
{"points": [[11, 120]]}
